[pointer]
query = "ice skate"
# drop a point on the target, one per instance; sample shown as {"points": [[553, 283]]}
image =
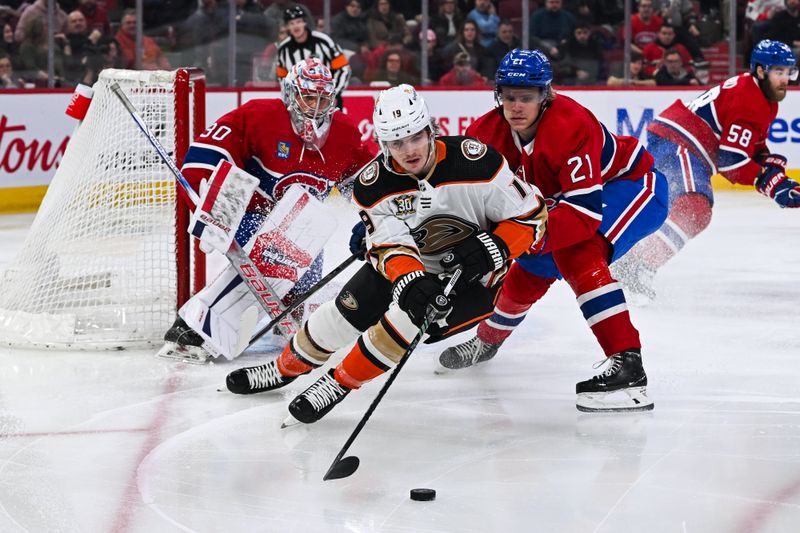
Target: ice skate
{"points": [[466, 354], [621, 387], [317, 400], [182, 343], [254, 379]]}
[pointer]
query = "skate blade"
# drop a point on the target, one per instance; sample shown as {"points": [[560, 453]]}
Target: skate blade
{"points": [[185, 354], [440, 369], [289, 421], [620, 401]]}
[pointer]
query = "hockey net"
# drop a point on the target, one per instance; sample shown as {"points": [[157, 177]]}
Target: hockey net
{"points": [[106, 262]]}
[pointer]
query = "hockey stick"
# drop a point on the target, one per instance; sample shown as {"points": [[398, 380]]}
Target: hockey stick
{"points": [[241, 262], [340, 467], [306, 295]]}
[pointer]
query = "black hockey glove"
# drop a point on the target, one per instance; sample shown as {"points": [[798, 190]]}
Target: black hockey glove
{"points": [[477, 256], [358, 241], [418, 291], [774, 183]]}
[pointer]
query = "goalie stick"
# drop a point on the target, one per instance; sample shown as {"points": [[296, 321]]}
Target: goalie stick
{"points": [[252, 277]]}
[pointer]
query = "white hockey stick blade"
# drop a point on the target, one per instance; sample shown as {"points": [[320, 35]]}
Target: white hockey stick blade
{"points": [[632, 399], [195, 355]]}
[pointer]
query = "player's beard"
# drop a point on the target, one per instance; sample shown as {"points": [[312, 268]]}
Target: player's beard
{"points": [[773, 94]]}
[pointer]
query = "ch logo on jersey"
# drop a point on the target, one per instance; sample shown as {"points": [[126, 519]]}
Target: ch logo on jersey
{"points": [[283, 149], [442, 233], [472, 149], [316, 185], [370, 174], [405, 205], [348, 301]]}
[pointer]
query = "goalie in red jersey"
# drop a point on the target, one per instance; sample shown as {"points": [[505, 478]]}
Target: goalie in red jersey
{"points": [[723, 130], [267, 146], [603, 195]]}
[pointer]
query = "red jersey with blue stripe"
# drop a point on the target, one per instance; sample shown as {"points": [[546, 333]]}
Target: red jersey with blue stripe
{"points": [[725, 127], [569, 160], [259, 138]]}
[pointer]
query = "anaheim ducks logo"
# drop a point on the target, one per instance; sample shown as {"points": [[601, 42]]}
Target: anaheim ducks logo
{"points": [[370, 174], [348, 301], [472, 149], [439, 234]]}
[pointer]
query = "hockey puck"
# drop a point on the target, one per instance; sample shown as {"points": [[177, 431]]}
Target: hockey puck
{"points": [[423, 495]]}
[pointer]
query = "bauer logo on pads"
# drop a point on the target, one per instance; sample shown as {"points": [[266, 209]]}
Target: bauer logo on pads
{"points": [[283, 149]]}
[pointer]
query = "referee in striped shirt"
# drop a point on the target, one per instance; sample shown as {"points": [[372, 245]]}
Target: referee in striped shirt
{"points": [[303, 43]]}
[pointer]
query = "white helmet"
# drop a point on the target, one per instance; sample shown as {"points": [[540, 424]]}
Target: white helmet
{"points": [[399, 112], [309, 94]]}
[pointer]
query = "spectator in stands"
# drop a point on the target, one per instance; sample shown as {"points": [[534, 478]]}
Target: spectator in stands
{"points": [[468, 42], [758, 14], [96, 17], [504, 42], [7, 78], [152, 56], [374, 58], [447, 22], [195, 36], [638, 77], [77, 44], [674, 70], [785, 25], [383, 24], [552, 25], [486, 19], [349, 27], [107, 55], [276, 9], [8, 44], [267, 62], [31, 60], [437, 60], [38, 10], [391, 71], [654, 52], [583, 54], [644, 26], [462, 73], [680, 13]]}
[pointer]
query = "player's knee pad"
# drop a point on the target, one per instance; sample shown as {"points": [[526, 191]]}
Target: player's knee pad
{"points": [[691, 213], [325, 332], [584, 265]]}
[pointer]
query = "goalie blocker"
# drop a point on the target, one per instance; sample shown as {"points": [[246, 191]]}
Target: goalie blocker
{"points": [[223, 316]]}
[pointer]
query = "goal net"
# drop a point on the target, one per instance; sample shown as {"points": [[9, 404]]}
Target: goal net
{"points": [[106, 262]]}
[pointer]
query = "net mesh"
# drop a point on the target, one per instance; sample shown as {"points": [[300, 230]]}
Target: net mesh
{"points": [[98, 266]]}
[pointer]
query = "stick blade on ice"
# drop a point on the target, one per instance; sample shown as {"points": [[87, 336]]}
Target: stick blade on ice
{"points": [[343, 468]]}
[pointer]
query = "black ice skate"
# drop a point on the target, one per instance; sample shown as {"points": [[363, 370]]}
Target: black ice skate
{"points": [[317, 400], [466, 354], [622, 387], [182, 343], [261, 378]]}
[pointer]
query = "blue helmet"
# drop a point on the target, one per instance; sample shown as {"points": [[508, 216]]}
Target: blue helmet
{"points": [[768, 53], [524, 68]]}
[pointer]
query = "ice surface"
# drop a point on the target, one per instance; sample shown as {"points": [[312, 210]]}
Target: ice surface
{"points": [[123, 442]]}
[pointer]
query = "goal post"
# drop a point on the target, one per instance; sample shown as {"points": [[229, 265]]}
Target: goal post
{"points": [[108, 260]]}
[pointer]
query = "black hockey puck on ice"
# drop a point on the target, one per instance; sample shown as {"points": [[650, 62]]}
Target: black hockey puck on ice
{"points": [[423, 495]]}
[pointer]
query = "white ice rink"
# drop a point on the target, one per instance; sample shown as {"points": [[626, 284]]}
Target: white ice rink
{"points": [[124, 442]]}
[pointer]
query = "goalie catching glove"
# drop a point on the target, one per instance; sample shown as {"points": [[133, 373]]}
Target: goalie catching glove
{"points": [[477, 256], [419, 291], [774, 183], [223, 203]]}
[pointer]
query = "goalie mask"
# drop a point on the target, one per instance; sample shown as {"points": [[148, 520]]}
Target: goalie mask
{"points": [[401, 112], [309, 95]]}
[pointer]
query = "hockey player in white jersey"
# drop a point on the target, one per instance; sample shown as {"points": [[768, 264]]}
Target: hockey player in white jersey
{"points": [[430, 205]]}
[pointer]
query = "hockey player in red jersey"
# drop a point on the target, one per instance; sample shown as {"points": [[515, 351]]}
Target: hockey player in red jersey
{"points": [[603, 195], [299, 140], [430, 204], [723, 130]]}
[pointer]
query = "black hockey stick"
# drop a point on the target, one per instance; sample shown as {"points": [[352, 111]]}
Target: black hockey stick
{"points": [[345, 467], [306, 295], [252, 277]]}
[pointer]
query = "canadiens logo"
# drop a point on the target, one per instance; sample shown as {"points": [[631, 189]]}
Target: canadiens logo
{"points": [[472, 149], [369, 174], [283, 149], [316, 185], [348, 301], [405, 204]]}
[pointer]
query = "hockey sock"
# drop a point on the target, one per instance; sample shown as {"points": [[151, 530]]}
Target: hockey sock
{"points": [[602, 302], [520, 291], [689, 215], [292, 363], [375, 352]]}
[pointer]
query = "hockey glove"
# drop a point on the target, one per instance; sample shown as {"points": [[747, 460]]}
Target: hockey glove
{"points": [[774, 183], [477, 256], [358, 242], [418, 291]]}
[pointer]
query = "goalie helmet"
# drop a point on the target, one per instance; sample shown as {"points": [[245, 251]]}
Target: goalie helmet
{"points": [[309, 95], [400, 112], [770, 54]]}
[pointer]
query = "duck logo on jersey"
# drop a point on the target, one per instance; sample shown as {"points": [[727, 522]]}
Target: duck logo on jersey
{"points": [[348, 301], [472, 149], [369, 174], [283, 149], [405, 205], [441, 233]]}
